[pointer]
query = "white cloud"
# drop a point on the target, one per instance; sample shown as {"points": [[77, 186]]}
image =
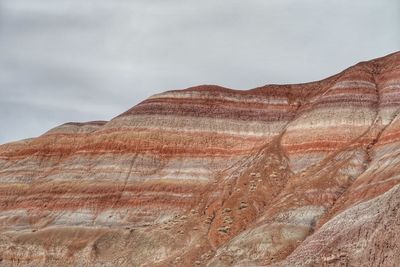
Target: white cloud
{"points": [[87, 60]]}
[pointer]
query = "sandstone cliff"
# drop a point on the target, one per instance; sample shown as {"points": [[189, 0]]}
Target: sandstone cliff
{"points": [[281, 175]]}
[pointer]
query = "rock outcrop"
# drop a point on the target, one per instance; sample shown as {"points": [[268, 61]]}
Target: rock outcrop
{"points": [[281, 175]]}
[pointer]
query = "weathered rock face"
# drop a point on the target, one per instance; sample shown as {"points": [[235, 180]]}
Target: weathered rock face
{"points": [[293, 175]]}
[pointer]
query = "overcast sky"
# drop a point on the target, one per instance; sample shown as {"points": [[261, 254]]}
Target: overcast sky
{"points": [[81, 60]]}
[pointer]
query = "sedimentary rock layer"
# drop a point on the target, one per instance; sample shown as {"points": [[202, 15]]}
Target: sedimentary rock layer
{"points": [[285, 175]]}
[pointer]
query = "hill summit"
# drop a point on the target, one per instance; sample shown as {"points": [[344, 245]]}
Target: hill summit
{"points": [[280, 175]]}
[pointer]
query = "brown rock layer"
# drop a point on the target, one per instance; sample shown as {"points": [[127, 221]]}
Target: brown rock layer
{"points": [[282, 175]]}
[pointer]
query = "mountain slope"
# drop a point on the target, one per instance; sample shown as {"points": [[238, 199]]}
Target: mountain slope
{"points": [[285, 175]]}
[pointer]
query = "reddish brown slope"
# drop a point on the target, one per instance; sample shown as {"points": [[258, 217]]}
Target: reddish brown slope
{"points": [[295, 175]]}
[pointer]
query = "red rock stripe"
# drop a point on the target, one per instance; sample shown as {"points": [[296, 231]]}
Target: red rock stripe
{"points": [[193, 110]]}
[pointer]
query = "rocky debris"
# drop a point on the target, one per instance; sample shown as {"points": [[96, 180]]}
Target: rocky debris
{"points": [[243, 205], [224, 229], [209, 219], [273, 175], [228, 220], [226, 210], [207, 255], [252, 186]]}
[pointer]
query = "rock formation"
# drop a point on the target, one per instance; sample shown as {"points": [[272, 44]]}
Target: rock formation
{"points": [[281, 175]]}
